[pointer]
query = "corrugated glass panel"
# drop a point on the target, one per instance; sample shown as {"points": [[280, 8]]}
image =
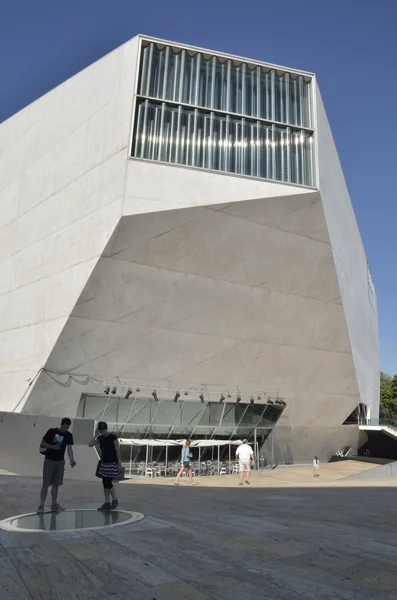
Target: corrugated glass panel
{"points": [[199, 139], [212, 82], [225, 115]]}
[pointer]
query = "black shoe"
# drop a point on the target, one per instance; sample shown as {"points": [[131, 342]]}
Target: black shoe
{"points": [[105, 506], [114, 505]]}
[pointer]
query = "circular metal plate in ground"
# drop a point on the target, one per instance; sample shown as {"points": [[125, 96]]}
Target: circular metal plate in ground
{"points": [[70, 520]]}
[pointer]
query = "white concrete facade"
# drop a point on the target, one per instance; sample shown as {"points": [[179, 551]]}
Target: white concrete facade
{"points": [[62, 170], [118, 269]]}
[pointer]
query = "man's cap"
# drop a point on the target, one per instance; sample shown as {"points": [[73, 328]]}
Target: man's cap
{"points": [[245, 441]]}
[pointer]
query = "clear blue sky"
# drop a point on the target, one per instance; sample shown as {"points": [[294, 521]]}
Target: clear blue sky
{"points": [[350, 44]]}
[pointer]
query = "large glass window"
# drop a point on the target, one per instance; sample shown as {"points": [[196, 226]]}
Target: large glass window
{"points": [[145, 417], [187, 77], [220, 114], [188, 136]]}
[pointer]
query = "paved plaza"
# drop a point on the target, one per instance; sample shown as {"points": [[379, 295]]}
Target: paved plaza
{"points": [[284, 537]]}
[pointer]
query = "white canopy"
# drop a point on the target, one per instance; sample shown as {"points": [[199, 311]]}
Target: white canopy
{"points": [[194, 444]]}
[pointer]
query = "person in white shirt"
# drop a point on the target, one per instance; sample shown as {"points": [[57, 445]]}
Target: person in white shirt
{"points": [[316, 466], [245, 456]]}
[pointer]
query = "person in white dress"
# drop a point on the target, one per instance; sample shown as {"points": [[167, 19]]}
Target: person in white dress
{"points": [[316, 467]]}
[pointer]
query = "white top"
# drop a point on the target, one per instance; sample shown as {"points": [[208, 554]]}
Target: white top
{"points": [[244, 452], [316, 463]]}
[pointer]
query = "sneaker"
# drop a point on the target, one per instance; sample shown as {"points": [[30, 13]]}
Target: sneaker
{"points": [[114, 505], [40, 510], [56, 508], [248, 483], [105, 506], [241, 483]]}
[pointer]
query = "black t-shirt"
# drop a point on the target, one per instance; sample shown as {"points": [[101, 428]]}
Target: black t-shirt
{"points": [[56, 436], [108, 451]]}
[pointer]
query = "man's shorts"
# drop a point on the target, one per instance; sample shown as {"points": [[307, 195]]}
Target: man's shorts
{"points": [[245, 464], [53, 471]]}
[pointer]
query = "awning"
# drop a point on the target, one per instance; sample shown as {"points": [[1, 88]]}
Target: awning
{"points": [[194, 444]]}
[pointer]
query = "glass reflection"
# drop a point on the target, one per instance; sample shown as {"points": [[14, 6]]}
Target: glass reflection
{"points": [[76, 519], [175, 420], [222, 143], [165, 418]]}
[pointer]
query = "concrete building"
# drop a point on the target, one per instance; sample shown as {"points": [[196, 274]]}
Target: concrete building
{"points": [[175, 219]]}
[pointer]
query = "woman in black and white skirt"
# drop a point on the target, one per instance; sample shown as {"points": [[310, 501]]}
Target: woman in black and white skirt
{"points": [[109, 466]]}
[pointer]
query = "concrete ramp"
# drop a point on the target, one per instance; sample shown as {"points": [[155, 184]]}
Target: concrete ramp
{"points": [[387, 429], [389, 470], [20, 437]]}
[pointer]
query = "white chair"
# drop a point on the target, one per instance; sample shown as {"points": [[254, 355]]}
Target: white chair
{"points": [[235, 470], [149, 472], [223, 471]]}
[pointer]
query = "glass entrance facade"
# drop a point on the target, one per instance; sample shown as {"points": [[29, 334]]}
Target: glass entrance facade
{"points": [[143, 417], [224, 114], [146, 418]]}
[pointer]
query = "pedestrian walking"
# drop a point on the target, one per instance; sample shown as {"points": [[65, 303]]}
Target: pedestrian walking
{"points": [[246, 458], [186, 465], [53, 446], [316, 467], [109, 466]]}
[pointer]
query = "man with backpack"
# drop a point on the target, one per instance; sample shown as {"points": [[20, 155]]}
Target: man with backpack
{"points": [[53, 446]]}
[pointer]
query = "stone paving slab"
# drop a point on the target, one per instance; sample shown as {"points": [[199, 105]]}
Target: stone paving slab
{"points": [[317, 542], [179, 590], [12, 586]]}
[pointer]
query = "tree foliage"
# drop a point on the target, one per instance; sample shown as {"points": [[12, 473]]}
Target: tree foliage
{"points": [[385, 379], [388, 397]]}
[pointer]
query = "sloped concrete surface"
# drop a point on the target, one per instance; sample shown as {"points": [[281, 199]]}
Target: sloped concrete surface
{"points": [[245, 295], [389, 470], [294, 476]]}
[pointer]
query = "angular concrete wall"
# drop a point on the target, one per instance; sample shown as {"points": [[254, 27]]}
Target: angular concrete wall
{"points": [[243, 294], [295, 445], [125, 270], [62, 170], [389, 470], [152, 187], [350, 262]]}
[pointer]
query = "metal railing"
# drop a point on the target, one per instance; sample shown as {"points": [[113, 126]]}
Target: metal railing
{"points": [[381, 423]]}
